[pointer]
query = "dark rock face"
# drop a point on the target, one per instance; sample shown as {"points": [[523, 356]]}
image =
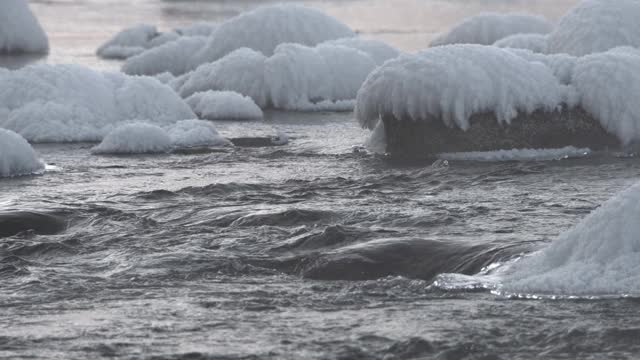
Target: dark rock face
{"points": [[565, 127], [44, 224]]}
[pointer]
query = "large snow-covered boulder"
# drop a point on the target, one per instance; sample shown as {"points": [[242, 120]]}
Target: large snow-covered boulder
{"points": [[17, 157], [596, 26], [196, 133], [598, 257], [224, 105], [170, 57], [487, 28], [133, 41], [135, 138], [377, 49], [536, 43], [70, 103], [262, 30], [20, 31]]}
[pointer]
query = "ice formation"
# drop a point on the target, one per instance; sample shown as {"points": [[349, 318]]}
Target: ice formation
{"points": [[377, 49], [193, 133], [172, 57], [518, 154], [197, 29], [596, 26], [561, 65], [224, 105], [262, 30], [455, 81], [133, 41], [534, 42], [135, 138], [17, 157], [598, 257], [487, 28], [20, 31], [70, 103]]}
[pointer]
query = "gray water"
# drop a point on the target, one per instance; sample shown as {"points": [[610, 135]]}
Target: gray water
{"points": [[314, 249]]}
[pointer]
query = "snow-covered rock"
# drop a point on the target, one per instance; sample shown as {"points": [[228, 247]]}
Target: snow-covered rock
{"points": [[487, 28], [561, 65], [534, 42], [135, 138], [70, 103], [20, 31], [377, 49], [224, 105], [197, 29], [598, 257], [133, 41], [262, 30], [17, 157], [196, 133], [172, 57], [596, 26]]}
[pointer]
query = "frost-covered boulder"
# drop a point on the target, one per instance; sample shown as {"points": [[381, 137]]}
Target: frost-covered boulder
{"points": [[598, 257], [70, 103], [135, 138], [196, 133], [377, 49], [533, 42], [17, 157], [561, 65], [133, 41], [262, 30], [171, 57], [20, 31], [487, 28], [224, 105], [197, 29], [596, 26]]}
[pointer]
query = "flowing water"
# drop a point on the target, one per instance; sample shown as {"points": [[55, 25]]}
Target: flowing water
{"points": [[315, 249]]}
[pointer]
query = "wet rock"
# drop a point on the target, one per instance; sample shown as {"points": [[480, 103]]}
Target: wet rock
{"points": [[13, 223]]}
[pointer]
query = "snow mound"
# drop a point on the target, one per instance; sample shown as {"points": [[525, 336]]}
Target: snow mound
{"points": [[596, 26], [487, 28], [224, 105], [71, 103], [20, 31], [170, 57], [377, 49], [534, 42], [608, 84], [135, 138], [17, 157], [455, 81], [598, 257], [197, 29], [518, 154], [561, 65], [194, 133], [262, 30], [134, 41]]}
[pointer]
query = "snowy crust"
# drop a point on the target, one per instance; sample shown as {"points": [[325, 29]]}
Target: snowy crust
{"points": [[262, 30], [598, 257], [224, 105], [20, 31], [487, 28], [71, 103], [533, 42], [17, 157]]}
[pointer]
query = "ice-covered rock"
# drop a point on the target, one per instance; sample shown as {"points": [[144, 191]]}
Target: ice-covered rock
{"points": [[196, 133], [377, 49], [224, 105], [135, 138], [20, 31], [561, 65], [17, 157], [596, 26], [262, 30], [69, 103], [598, 257], [172, 57], [534, 42], [197, 29], [487, 28], [133, 41]]}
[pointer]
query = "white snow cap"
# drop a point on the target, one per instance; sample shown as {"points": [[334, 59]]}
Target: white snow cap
{"points": [[20, 31], [534, 42], [596, 26], [135, 138], [487, 28], [17, 157], [130, 41], [224, 105], [193, 133], [262, 29], [197, 29], [598, 257], [455, 81], [70, 103], [377, 49], [172, 57]]}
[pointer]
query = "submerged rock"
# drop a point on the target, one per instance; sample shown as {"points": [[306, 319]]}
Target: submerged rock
{"points": [[13, 223]]}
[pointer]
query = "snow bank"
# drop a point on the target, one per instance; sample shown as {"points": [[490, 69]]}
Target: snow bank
{"points": [[193, 133], [598, 257], [135, 138], [224, 105], [172, 57], [453, 82], [17, 156], [20, 31], [377, 49], [68, 103], [534, 42], [518, 154], [487, 28], [596, 26], [262, 30]]}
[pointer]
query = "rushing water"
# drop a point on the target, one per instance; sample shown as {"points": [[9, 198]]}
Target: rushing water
{"points": [[314, 249]]}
